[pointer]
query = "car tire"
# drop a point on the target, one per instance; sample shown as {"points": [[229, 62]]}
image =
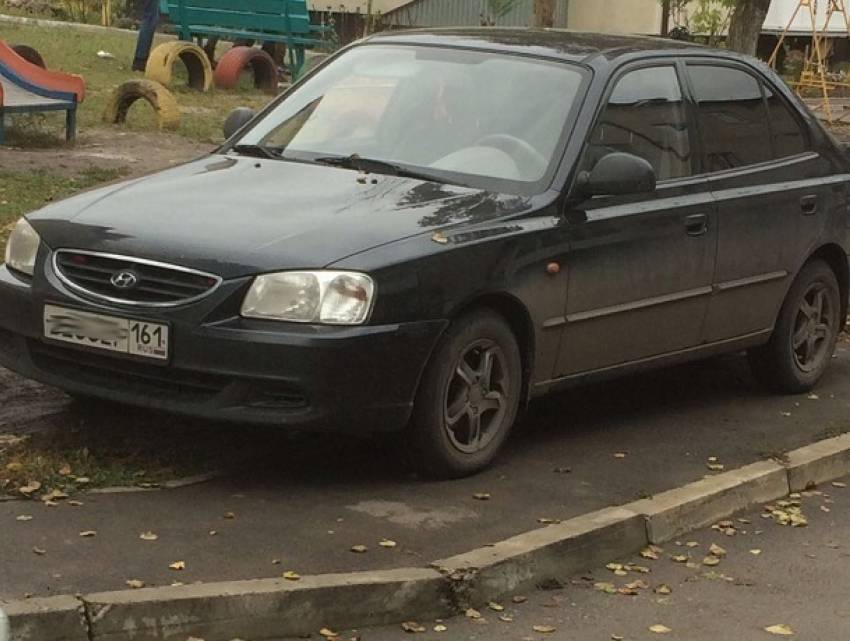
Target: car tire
{"points": [[803, 339], [468, 398]]}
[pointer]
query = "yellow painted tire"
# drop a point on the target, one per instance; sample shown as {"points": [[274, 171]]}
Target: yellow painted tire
{"points": [[161, 99], [161, 63]]}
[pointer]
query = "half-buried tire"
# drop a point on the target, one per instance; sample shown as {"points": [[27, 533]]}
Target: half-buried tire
{"points": [[161, 99], [160, 64], [235, 61], [30, 54]]}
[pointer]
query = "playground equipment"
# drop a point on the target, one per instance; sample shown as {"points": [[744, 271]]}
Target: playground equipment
{"points": [[27, 87], [815, 75], [161, 99]]}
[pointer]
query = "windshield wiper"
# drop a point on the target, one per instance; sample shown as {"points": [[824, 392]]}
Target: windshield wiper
{"points": [[355, 161], [258, 151]]}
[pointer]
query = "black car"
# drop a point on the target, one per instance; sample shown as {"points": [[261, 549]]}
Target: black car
{"points": [[434, 227]]}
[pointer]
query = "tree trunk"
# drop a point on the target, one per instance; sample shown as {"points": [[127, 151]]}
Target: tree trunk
{"points": [[746, 24], [665, 18], [543, 14]]}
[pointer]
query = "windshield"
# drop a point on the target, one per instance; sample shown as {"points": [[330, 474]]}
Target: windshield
{"points": [[454, 113]]}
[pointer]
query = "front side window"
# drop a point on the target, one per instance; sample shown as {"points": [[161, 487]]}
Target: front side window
{"points": [[451, 112], [645, 116], [733, 118]]}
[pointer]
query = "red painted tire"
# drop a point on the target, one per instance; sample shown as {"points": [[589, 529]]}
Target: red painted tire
{"points": [[232, 64], [30, 54]]}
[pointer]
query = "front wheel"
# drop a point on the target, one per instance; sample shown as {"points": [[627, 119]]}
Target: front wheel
{"points": [[468, 397], [803, 340]]}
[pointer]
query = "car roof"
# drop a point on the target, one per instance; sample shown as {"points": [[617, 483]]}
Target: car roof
{"points": [[576, 46]]}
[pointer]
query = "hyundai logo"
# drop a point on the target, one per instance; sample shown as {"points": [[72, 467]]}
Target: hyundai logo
{"points": [[124, 279]]}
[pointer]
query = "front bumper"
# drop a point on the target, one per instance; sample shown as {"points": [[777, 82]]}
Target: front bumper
{"points": [[223, 367]]}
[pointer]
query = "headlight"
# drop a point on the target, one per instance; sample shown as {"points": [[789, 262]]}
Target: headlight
{"points": [[335, 298], [22, 248]]}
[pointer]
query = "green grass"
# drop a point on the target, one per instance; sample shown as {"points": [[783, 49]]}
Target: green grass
{"points": [[23, 192], [74, 50]]}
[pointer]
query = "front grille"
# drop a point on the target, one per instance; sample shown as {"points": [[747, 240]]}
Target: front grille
{"points": [[124, 374], [131, 281]]}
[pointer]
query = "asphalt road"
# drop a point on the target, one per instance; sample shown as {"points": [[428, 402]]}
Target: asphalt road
{"points": [[772, 576], [304, 504]]}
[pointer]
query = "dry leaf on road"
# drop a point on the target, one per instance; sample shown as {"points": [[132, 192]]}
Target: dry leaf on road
{"points": [[88, 533], [780, 629], [472, 613], [544, 629], [659, 629], [359, 549], [291, 576], [716, 550], [386, 543], [481, 496], [148, 536], [178, 565], [135, 584], [23, 517], [413, 626]]}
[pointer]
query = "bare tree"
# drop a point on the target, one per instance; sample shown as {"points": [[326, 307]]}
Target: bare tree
{"points": [[543, 14], [745, 27]]}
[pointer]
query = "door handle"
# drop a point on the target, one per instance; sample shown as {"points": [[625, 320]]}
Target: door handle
{"points": [[696, 224], [809, 205]]}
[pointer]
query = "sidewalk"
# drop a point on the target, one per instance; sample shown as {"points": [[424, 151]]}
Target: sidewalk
{"points": [[310, 503]]}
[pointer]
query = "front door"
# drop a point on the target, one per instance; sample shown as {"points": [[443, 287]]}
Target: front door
{"points": [[640, 267]]}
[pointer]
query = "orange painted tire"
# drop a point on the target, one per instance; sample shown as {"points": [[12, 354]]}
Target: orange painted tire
{"points": [[232, 64], [30, 54], [161, 99], [161, 62]]}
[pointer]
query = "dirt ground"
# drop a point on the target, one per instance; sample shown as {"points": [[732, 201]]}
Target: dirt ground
{"points": [[138, 152], [23, 403]]}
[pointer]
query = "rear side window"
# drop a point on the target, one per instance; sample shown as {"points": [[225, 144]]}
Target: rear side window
{"points": [[788, 138], [733, 117], [645, 116]]}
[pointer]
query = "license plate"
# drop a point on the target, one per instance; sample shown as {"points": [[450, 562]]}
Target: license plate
{"points": [[124, 335]]}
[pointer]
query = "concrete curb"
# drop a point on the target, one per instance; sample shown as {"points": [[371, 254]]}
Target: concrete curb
{"points": [[274, 608]]}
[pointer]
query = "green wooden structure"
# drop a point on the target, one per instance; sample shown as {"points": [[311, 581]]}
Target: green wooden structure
{"points": [[285, 21]]}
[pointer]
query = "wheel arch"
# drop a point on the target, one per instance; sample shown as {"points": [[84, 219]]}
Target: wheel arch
{"points": [[518, 319], [836, 258]]}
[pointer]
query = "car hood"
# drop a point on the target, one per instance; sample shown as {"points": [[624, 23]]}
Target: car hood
{"points": [[236, 216]]}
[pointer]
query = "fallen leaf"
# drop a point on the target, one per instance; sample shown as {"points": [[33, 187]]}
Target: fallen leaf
{"points": [[472, 613], [229, 515], [649, 553], [838, 484], [614, 566], [440, 628], [544, 629], [663, 589], [659, 629], [23, 517], [65, 470], [275, 561], [506, 619], [692, 544], [755, 552], [413, 626], [291, 576], [82, 480], [546, 521], [135, 584], [519, 599], [88, 533], [39, 551], [213, 532], [620, 455], [813, 397], [626, 591], [711, 561], [359, 549], [637, 585], [148, 536], [780, 629], [481, 496], [824, 508], [55, 495], [386, 543], [29, 488], [607, 588], [716, 550], [495, 606], [178, 565], [75, 503], [679, 558], [327, 632], [638, 568], [716, 467]]}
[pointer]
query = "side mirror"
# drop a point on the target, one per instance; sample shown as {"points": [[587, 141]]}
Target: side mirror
{"points": [[617, 174], [237, 119]]}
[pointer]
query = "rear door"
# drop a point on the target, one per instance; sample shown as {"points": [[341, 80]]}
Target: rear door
{"points": [[774, 194], [640, 266]]}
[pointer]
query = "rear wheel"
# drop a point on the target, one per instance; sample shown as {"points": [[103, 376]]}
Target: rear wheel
{"points": [[468, 398], [803, 340]]}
